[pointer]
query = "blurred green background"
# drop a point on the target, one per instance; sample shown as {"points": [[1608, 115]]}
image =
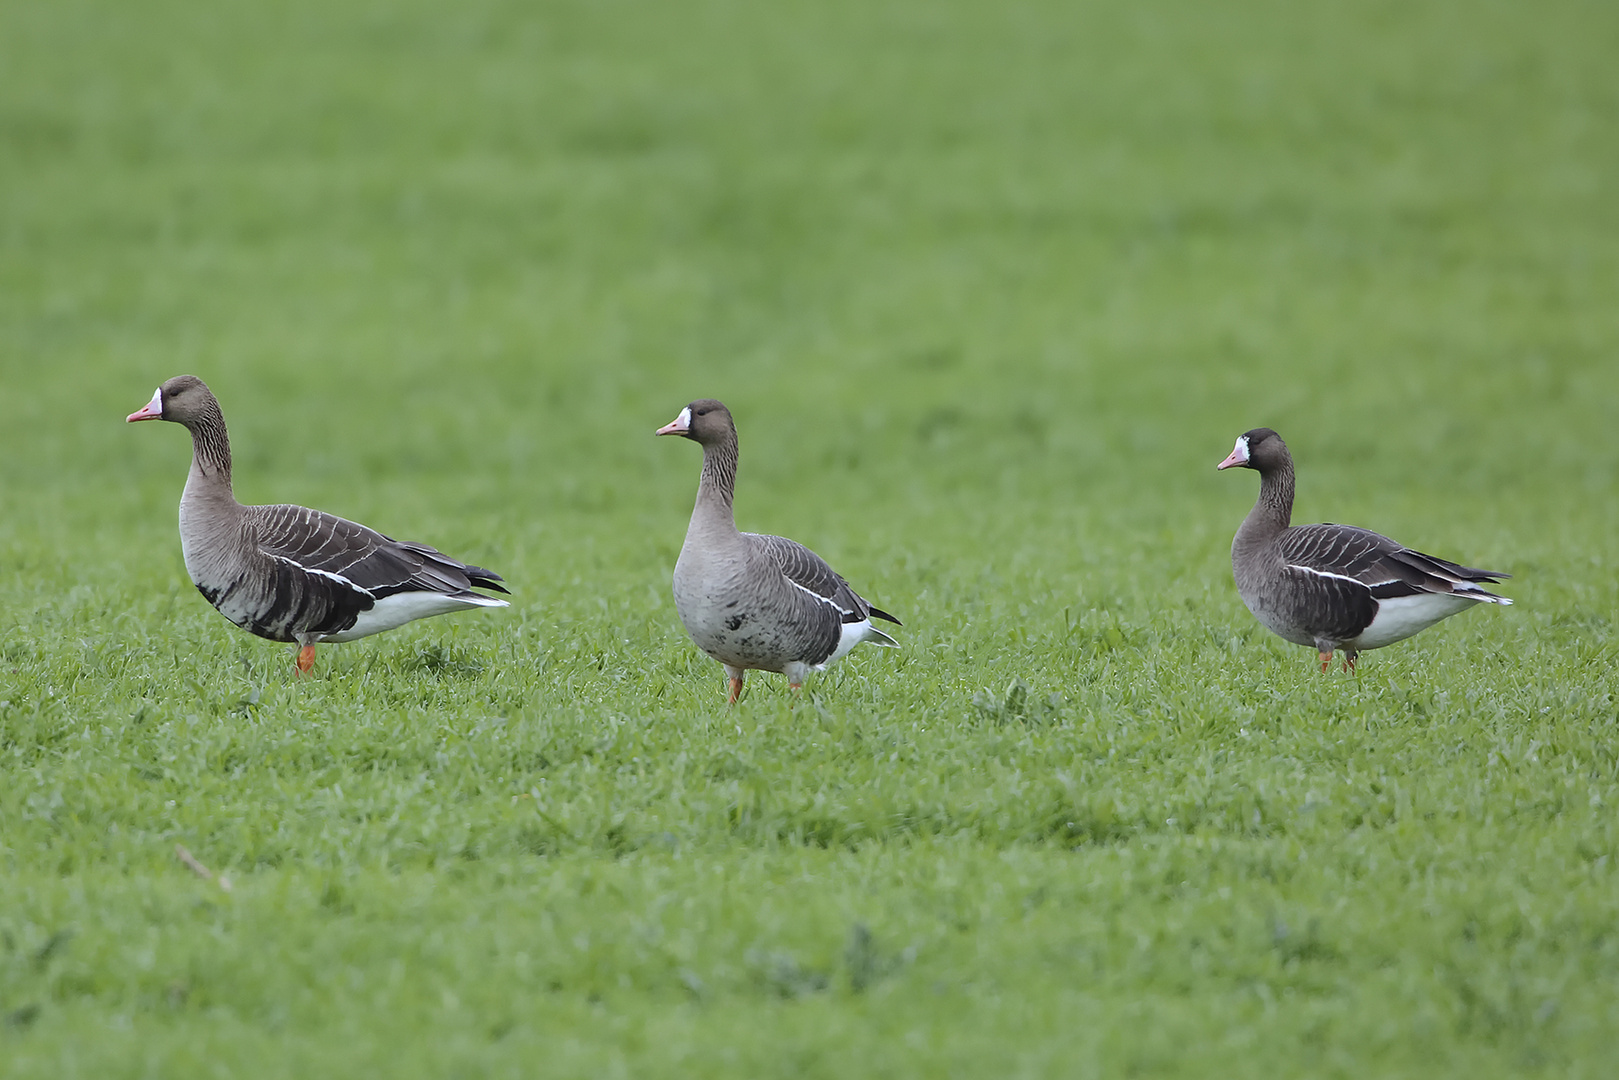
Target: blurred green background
{"points": [[990, 288], [1074, 246]]}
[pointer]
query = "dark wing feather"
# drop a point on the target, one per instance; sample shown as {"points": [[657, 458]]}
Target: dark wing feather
{"points": [[879, 613], [1434, 566], [371, 561], [1326, 606], [1337, 549], [286, 600], [809, 571], [1327, 569], [299, 601], [1382, 565]]}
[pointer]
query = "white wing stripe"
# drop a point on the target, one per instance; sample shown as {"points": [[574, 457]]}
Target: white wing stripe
{"points": [[823, 599], [339, 578], [1326, 574]]}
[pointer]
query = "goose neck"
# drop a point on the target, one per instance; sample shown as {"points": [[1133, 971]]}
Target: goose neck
{"points": [[1273, 510], [716, 489], [210, 451]]}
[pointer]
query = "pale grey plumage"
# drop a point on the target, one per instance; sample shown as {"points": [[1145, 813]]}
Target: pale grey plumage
{"points": [[754, 601]]}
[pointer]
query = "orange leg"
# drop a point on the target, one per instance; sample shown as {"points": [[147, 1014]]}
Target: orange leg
{"points": [[306, 659], [736, 691], [1349, 661], [1326, 661], [798, 692]]}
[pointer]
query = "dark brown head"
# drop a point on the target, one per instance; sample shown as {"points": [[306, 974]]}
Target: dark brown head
{"points": [[184, 399], [706, 422], [1261, 449]]}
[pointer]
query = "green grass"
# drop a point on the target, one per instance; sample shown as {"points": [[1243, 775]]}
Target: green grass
{"points": [[990, 289]]}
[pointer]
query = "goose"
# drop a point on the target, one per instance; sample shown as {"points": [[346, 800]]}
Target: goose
{"points": [[1336, 586], [753, 601], [289, 573]]}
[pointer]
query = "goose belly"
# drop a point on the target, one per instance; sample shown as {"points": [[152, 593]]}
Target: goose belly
{"points": [[733, 634], [1273, 620], [1402, 616], [401, 608], [723, 616]]}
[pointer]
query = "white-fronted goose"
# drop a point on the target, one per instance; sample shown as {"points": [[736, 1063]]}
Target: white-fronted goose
{"points": [[1336, 586], [753, 601], [288, 573]]}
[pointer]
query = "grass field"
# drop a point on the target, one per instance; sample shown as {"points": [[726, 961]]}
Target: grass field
{"points": [[990, 289]]}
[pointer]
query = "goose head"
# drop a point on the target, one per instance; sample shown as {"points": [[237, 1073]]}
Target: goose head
{"points": [[1260, 449], [184, 399], [705, 421]]}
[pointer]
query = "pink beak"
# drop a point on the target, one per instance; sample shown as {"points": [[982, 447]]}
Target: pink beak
{"points": [[678, 426], [1238, 456], [152, 410]]}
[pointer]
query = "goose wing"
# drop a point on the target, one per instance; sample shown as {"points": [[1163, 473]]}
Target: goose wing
{"points": [[350, 554], [809, 572], [1387, 569]]}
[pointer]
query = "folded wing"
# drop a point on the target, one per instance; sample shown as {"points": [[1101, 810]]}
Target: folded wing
{"points": [[1385, 568], [810, 572]]}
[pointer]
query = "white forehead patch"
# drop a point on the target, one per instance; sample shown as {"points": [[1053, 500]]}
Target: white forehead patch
{"points": [[683, 421], [1241, 448]]}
